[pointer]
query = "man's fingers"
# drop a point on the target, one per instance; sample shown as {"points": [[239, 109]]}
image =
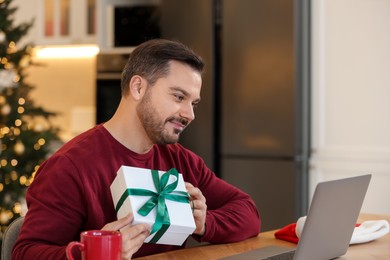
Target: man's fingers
{"points": [[132, 232], [133, 238], [120, 223]]}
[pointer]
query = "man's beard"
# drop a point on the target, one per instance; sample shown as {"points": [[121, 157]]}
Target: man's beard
{"points": [[154, 126]]}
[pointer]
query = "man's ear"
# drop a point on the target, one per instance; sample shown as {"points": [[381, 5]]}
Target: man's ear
{"points": [[137, 86]]}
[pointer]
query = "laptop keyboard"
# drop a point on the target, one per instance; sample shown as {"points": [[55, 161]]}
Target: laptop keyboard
{"points": [[282, 256]]}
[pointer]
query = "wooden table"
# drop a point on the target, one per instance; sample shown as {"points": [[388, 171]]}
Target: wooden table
{"points": [[378, 249]]}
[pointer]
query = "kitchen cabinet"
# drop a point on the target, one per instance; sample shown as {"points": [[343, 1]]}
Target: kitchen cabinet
{"points": [[60, 22]]}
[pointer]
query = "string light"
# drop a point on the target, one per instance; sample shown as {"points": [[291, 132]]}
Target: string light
{"points": [[21, 101], [12, 44], [19, 148], [41, 141], [16, 78], [14, 162], [10, 215], [22, 180], [3, 217], [4, 130], [11, 48], [18, 122], [3, 162], [16, 131], [17, 208], [37, 147], [29, 181], [8, 65]]}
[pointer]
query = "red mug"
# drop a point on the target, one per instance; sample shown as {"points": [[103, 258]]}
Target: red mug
{"points": [[97, 245]]}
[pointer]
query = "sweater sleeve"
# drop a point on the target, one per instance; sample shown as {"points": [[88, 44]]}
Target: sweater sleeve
{"points": [[231, 214]]}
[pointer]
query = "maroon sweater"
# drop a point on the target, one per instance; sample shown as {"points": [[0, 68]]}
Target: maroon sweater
{"points": [[71, 193]]}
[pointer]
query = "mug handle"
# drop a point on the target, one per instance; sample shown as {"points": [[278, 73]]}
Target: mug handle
{"points": [[70, 247]]}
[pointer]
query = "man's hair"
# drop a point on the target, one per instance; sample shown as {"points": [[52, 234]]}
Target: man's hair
{"points": [[151, 60]]}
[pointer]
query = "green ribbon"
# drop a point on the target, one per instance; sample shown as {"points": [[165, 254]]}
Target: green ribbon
{"points": [[164, 191]]}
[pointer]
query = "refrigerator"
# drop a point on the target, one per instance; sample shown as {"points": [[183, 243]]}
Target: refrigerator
{"points": [[252, 125]]}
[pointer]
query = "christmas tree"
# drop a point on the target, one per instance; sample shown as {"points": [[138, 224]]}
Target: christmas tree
{"points": [[25, 129]]}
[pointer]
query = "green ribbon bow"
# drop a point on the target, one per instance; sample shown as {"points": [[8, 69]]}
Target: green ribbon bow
{"points": [[164, 191]]}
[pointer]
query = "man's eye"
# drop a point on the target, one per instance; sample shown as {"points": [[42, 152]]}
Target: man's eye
{"points": [[179, 97], [194, 105]]}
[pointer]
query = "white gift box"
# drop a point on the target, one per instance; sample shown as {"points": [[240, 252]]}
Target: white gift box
{"points": [[182, 222]]}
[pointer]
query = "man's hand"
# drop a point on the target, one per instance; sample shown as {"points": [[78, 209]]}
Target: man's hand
{"points": [[199, 208], [132, 236]]}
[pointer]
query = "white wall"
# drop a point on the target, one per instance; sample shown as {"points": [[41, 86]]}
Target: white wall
{"points": [[351, 95]]}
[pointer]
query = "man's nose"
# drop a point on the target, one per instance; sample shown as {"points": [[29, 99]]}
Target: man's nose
{"points": [[187, 112]]}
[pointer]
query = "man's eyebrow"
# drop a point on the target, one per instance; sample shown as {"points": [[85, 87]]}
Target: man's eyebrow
{"points": [[185, 93]]}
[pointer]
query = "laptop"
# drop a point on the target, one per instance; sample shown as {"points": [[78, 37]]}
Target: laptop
{"points": [[329, 224]]}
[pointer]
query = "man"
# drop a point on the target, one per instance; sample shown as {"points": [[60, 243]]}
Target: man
{"points": [[161, 85]]}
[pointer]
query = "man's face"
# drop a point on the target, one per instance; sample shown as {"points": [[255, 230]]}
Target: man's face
{"points": [[168, 106]]}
